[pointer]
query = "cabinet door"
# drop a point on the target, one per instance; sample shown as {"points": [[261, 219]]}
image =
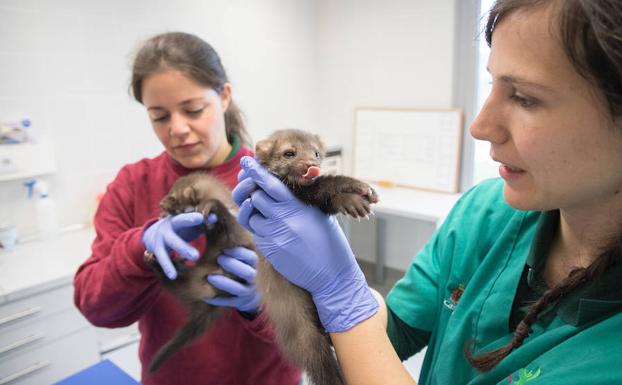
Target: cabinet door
{"points": [[38, 306], [37, 332], [52, 362]]}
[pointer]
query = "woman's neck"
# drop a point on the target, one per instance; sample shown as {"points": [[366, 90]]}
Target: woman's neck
{"points": [[581, 238], [221, 155]]}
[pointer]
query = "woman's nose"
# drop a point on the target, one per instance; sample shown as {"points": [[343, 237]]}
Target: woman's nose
{"points": [[490, 123], [178, 125]]}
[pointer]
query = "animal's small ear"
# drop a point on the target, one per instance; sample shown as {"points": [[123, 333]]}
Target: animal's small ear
{"points": [[263, 149], [168, 204], [320, 145]]}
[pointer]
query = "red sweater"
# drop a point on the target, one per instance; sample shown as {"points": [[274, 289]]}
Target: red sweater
{"points": [[115, 288]]}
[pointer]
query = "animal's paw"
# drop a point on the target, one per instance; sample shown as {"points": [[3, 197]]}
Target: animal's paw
{"points": [[362, 189], [370, 194], [150, 259], [354, 205], [181, 201]]}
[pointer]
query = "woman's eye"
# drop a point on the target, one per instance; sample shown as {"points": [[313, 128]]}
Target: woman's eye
{"points": [[523, 101], [159, 119], [195, 112], [289, 154]]}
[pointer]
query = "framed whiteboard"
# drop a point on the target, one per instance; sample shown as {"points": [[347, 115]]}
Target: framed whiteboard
{"points": [[416, 148]]}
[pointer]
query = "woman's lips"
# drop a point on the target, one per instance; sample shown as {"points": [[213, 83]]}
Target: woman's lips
{"points": [[186, 147], [510, 173]]}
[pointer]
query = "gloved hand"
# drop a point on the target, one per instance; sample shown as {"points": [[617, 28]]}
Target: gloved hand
{"points": [[241, 262], [305, 245], [174, 233]]}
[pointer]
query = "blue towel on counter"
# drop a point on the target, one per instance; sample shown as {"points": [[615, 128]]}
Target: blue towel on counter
{"points": [[102, 373]]}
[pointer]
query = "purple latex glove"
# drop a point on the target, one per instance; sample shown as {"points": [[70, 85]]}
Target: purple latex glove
{"points": [[174, 233], [240, 262], [305, 245]]}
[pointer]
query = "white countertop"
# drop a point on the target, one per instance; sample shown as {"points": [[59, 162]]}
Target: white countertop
{"points": [[416, 204], [39, 265]]}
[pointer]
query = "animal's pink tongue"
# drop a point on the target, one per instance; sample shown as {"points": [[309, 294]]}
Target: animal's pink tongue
{"points": [[312, 172]]}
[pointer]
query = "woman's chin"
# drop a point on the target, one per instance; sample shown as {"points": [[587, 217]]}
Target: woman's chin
{"points": [[523, 200], [191, 162]]}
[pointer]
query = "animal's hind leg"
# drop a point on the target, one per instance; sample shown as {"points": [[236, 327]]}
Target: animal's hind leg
{"points": [[321, 365], [305, 344]]}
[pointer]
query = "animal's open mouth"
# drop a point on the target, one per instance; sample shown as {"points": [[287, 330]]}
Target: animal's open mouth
{"points": [[312, 173]]}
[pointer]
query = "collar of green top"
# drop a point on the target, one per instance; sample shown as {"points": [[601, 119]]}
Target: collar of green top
{"points": [[235, 146], [591, 301]]}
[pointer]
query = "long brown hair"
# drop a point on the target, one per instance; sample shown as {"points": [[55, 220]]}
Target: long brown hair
{"points": [[591, 36], [195, 58]]}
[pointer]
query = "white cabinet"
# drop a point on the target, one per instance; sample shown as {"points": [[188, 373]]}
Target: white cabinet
{"points": [[25, 160], [43, 338]]}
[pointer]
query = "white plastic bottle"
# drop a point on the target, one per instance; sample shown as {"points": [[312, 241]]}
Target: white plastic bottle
{"points": [[47, 220]]}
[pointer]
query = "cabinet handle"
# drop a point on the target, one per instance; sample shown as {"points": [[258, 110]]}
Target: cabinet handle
{"points": [[19, 343], [21, 314], [21, 373]]}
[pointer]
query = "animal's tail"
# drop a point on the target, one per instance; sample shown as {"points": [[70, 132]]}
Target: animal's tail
{"points": [[324, 370], [307, 346], [198, 322]]}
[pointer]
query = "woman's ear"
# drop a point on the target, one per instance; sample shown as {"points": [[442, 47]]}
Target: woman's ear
{"points": [[225, 96]]}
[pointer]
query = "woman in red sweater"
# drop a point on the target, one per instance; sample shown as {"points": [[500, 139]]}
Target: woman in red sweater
{"points": [[181, 82]]}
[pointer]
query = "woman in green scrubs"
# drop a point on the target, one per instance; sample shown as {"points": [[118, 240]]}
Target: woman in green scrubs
{"points": [[523, 281]]}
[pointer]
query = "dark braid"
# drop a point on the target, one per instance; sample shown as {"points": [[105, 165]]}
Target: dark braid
{"points": [[575, 279], [489, 360]]}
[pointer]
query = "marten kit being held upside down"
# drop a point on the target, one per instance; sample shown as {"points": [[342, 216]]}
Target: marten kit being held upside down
{"points": [[294, 156], [205, 194]]}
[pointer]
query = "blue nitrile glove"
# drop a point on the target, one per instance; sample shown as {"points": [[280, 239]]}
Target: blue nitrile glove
{"points": [[305, 245], [174, 233], [241, 262]]}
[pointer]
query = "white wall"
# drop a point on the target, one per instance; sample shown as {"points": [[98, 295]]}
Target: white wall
{"points": [[373, 53], [293, 63], [66, 65]]}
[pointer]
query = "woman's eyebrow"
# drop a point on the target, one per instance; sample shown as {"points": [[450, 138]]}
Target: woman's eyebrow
{"points": [[188, 101], [191, 100], [523, 82], [511, 79]]}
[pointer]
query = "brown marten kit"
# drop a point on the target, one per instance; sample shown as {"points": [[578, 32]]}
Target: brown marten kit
{"points": [[205, 194], [294, 156]]}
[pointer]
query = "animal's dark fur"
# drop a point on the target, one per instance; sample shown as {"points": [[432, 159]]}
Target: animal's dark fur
{"points": [[289, 154], [205, 194]]}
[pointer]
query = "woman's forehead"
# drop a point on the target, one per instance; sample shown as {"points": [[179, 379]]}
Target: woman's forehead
{"points": [[526, 46]]}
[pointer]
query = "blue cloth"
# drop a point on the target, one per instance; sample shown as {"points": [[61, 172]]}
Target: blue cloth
{"points": [[102, 373]]}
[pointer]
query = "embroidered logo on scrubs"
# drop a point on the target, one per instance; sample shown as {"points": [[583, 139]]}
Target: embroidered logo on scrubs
{"points": [[524, 376], [454, 297]]}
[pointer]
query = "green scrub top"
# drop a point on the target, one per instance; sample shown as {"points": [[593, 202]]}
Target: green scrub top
{"points": [[462, 285]]}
